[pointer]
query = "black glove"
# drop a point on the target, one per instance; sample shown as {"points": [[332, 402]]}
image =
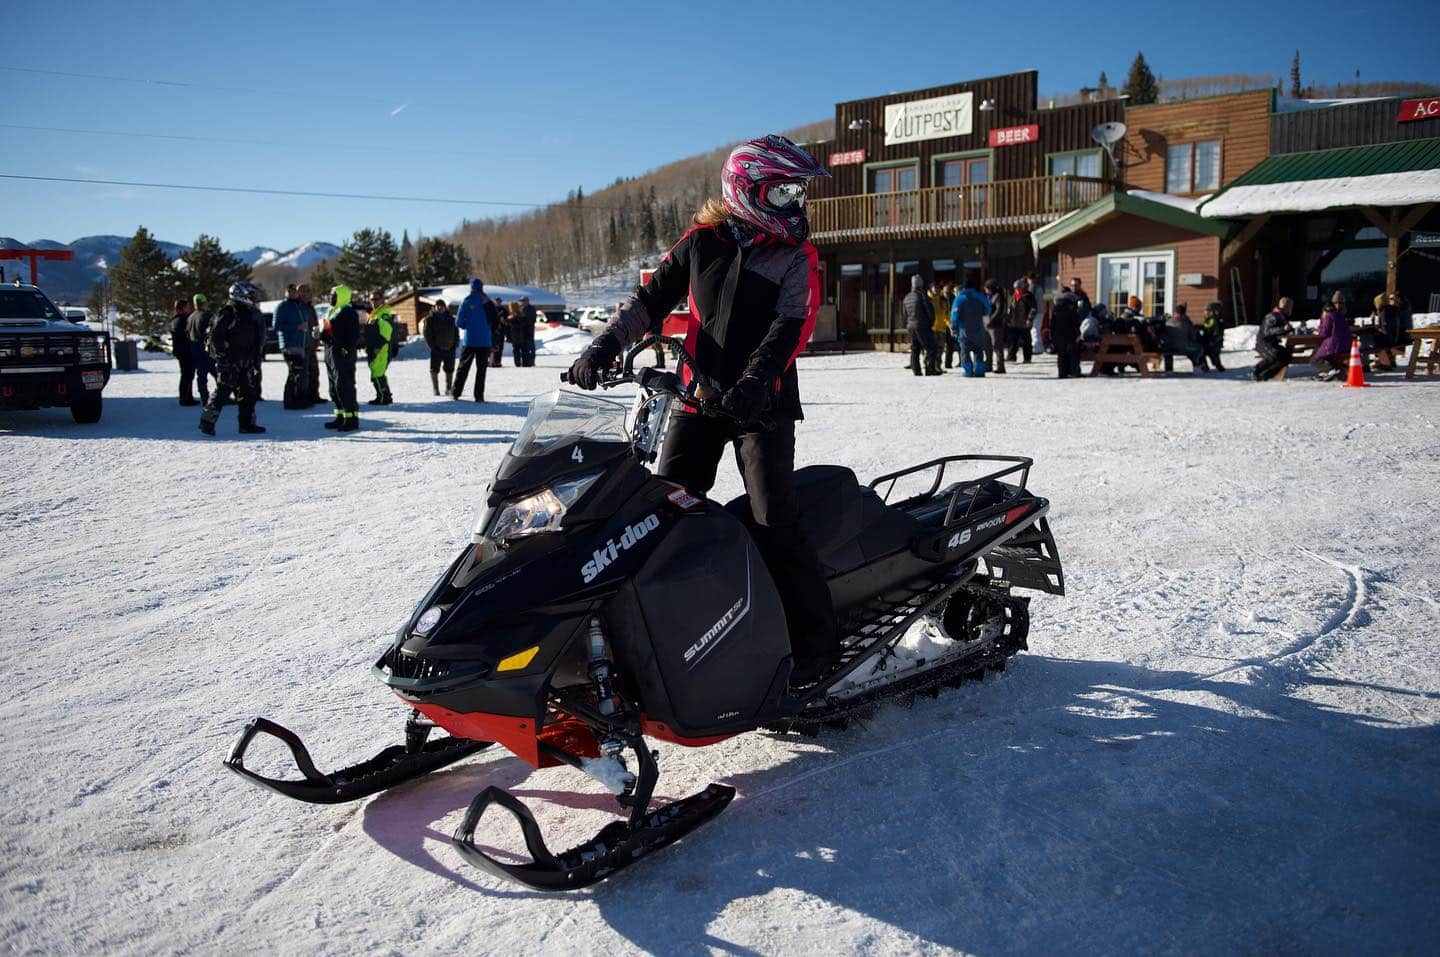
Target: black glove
{"points": [[745, 400], [586, 370]]}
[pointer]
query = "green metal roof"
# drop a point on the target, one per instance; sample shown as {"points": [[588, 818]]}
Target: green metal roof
{"points": [[1350, 161], [1115, 204]]}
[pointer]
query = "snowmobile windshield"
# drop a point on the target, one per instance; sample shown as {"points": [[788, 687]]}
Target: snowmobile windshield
{"points": [[560, 417]]}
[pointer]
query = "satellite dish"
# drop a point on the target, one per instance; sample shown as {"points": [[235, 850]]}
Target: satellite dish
{"points": [[1107, 135]]}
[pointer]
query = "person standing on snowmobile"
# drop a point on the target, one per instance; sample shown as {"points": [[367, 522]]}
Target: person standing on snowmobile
{"points": [[342, 341], [754, 282], [236, 344], [379, 344]]}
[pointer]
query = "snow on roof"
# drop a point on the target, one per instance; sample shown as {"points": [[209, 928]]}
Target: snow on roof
{"points": [[1287, 105], [1384, 189]]}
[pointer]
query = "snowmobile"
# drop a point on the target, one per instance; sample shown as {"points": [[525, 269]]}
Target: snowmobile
{"points": [[598, 605]]}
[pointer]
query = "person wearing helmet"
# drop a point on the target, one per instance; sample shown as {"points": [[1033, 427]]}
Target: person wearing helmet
{"points": [[753, 284], [379, 347], [342, 340], [236, 343]]}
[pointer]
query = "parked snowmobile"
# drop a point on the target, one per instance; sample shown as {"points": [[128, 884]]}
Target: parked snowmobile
{"points": [[598, 605]]}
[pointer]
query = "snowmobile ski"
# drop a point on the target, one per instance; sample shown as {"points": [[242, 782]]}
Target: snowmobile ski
{"points": [[618, 845], [392, 766]]}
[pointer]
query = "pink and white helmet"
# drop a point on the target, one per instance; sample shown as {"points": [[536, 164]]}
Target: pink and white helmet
{"points": [[763, 184]]}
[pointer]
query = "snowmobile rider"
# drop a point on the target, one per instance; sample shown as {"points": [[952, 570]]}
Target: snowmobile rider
{"points": [[754, 282], [475, 319], [342, 339], [379, 346], [236, 344], [441, 337], [293, 331], [181, 348], [198, 329]]}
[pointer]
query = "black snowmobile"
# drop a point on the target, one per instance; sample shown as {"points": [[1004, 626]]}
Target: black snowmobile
{"points": [[598, 605]]}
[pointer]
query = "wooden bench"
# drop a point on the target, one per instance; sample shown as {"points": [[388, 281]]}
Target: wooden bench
{"points": [[1431, 361], [1120, 350], [1302, 351]]}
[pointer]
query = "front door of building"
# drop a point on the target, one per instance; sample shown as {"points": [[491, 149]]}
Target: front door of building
{"points": [[1146, 275], [889, 209], [968, 198]]}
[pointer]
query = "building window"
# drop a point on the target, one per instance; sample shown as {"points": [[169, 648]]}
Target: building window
{"points": [[963, 180], [889, 210], [1192, 167], [1085, 163], [1148, 275]]}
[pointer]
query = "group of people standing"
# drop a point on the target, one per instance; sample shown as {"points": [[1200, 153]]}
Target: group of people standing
{"points": [[479, 329], [979, 327]]}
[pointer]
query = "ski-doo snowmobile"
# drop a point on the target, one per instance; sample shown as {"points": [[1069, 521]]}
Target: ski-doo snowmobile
{"points": [[598, 605]]}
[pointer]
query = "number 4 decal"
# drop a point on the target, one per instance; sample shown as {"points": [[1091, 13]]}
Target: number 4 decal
{"points": [[958, 539], [577, 455]]}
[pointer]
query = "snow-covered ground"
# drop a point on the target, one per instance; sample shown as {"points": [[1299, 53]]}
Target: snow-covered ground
{"points": [[1222, 740]]}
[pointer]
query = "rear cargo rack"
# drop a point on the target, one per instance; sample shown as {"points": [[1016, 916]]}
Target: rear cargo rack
{"points": [[970, 489]]}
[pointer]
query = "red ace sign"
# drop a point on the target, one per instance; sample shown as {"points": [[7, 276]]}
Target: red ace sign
{"points": [[1427, 109], [1015, 135]]}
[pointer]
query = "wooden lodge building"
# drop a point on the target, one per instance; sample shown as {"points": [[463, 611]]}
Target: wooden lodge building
{"points": [[975, 178]]}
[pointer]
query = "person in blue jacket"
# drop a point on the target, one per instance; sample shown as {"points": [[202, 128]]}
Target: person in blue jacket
{"points": [[967, 321], [293, 330], [474, 319]]}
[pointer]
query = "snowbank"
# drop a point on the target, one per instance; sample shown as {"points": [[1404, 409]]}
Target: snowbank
{"points": [[1223, 737]]}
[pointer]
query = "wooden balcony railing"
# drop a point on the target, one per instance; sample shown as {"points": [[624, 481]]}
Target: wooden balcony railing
{"points": [[1016, 205]]}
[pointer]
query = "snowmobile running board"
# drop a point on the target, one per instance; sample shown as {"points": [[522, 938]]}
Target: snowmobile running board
{"points": [[394, 765]]}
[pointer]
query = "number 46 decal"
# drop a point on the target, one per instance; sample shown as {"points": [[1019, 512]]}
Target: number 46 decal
{"points": [[958, 539], [577, 455]]}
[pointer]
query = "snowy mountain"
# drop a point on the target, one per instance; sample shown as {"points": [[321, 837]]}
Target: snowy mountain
{"points": [[301, 257], [93, 254]]}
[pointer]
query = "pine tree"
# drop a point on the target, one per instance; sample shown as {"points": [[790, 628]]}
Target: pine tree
{"points": [[1140, 84], [1104, 82], [649, 237], [370, 261], [98, 303], [407, 251], [612, 242], [439, 263], [1295, 89], [143, 285], [211, 270], [322, 280]]}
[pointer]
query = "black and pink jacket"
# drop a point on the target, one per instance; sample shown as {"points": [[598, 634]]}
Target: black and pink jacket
{"points": [[752, 308]]}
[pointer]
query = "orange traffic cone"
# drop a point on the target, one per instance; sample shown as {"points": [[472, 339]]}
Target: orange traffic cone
{"points": [[1356, 379]]}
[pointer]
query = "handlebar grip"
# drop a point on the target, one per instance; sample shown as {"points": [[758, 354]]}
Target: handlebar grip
{"points": [[565, 377]]}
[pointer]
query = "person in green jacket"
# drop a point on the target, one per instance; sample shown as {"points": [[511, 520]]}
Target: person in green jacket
{"points": [[379, 345]]}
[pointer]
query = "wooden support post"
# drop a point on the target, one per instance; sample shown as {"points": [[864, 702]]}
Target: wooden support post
{"points": [[1252, 228]]}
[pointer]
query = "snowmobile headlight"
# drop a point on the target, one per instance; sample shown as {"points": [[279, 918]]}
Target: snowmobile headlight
{"points": [[540, 512]]}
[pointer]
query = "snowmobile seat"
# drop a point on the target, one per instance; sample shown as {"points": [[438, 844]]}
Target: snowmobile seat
{"points": [[848, 525]]}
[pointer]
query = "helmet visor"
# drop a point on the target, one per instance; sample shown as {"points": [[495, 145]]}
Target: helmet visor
{"points": [[790, 195]]}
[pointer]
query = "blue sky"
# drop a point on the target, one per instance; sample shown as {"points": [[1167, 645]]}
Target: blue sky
{"points": [[521, 102]]}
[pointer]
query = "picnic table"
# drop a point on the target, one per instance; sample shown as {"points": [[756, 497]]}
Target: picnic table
{"points": [[1417, 337], [1302, 350], [1120, 349]]}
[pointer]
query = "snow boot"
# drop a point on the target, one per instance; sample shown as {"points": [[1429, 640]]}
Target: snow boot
{"points": [[435, 382], [350, 424], [207, 427], [252, 429], [335, 423], [449, 386]]}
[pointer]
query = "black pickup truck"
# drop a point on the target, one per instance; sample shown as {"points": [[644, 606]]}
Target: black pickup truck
{"points": [[46, 360]]}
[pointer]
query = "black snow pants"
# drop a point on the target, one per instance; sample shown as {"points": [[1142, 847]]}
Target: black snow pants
{"points": [[1272, 360], [238, 381], [923, 358], [767, 463], [477, 356], [297, 379], [187, 374], [341, 365], [1067, 358], [1019, 343]]}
